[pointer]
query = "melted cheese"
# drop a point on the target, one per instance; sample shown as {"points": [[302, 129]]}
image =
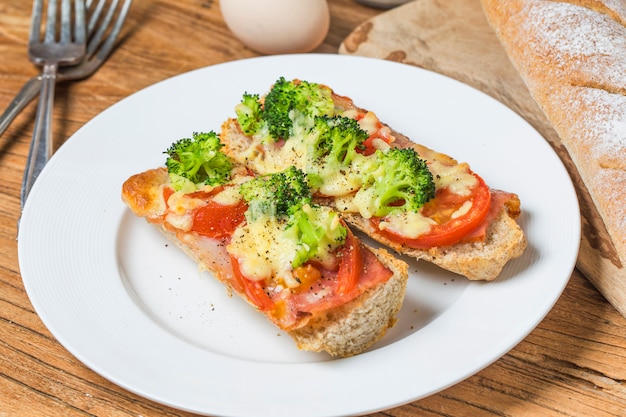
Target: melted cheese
{"points": [[408, 224], [263, 249], [270, 157], [380, 145], [228, 197], [457, 178], [351, 113], [370, 123], [180, 205], [346, 204], [339, 183], [463, 210], [183, 222]]}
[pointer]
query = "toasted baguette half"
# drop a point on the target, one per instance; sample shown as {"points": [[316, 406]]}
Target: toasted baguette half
{"points": [[346, 330], [477, 260], [482, 260]]}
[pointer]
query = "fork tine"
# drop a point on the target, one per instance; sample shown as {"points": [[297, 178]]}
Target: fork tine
{"points": [[95, 15], [79, 22], [65, 21], [51, 20], [35, 25], [106, 47], [102, 27], [108, 44]]}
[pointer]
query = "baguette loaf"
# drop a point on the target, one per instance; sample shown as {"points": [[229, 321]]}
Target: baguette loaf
{"points": [[346, 330], [572, 56]]}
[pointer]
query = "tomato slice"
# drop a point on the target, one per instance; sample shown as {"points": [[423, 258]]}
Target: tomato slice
{"points": [[381, 133], [218, 221], [447, 230], [167, 192], [214, 220], [368, 144], [350, 265], [252, 289]]}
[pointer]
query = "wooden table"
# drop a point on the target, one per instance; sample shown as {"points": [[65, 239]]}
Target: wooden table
{"points": [[572, 364]]}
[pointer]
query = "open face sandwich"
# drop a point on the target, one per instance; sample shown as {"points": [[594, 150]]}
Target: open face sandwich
{"points": [[268, 203]]}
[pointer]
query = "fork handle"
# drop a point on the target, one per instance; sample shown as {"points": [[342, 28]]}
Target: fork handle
{"points": [[41, 144], [28, 92]]}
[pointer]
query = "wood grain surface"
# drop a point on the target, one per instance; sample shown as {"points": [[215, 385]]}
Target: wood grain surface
{"points": [[572, 364]]}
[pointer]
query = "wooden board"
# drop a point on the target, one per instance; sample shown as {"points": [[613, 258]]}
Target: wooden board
{"points": [[454, 38]]}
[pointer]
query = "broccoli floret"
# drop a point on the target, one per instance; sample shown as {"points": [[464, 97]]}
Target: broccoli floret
{"points": [[249, 114], [333, 156], [288, 100], [197, 160], [277, 194], [286, 196], [287, 103], [318, 231], [398, 181], [336, 140]]}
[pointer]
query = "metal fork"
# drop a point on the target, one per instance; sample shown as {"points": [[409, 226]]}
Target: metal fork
{"points": [[62, 48], [98, 49]]}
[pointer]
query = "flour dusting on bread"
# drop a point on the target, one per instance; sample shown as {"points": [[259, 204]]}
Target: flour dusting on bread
{"points": [[572, 56]]}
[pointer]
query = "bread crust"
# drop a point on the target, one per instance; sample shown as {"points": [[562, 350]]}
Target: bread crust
{"points": [[477, 260], [572, 56], [346, 330], [354, 327]]}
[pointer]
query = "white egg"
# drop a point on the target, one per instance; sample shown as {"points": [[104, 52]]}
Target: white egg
{"points": [[278, 26]]}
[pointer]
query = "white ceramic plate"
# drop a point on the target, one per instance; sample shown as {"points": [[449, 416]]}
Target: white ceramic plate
{"points": [[138, 312]]}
